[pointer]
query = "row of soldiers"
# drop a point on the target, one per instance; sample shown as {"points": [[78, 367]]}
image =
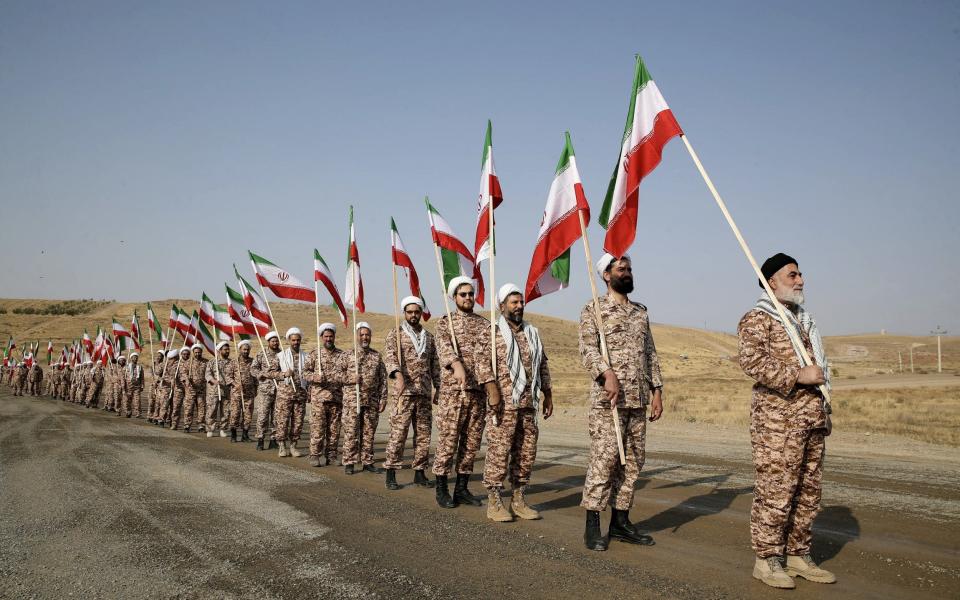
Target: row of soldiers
{"points": [[23, 378]]}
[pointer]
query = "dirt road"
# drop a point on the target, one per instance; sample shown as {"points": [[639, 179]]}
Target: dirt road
{"points": [[94, 506]]}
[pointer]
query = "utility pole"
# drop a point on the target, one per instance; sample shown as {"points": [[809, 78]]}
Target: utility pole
{"points": [[938, 332]]}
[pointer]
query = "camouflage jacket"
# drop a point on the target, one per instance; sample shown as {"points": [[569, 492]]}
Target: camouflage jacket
{"points": [[421, 374], [473, 342], [632, 352], [241, 375], [134, 376], [503, 371], [264, 368], [216, 373], [196, 369], [373, 379], [327, 381], [766, 355]]}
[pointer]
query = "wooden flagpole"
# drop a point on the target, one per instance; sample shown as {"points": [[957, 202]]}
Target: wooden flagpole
{"points": [[356, 350]]}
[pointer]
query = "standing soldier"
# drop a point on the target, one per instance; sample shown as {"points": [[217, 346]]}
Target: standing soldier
{"points": [[133, 375], [789, 419], [512, 429], [264, 363], [243, 389], [170, 375], [156, 398], [291, 403], [359, 426], [629, 381], [180, 385], [119, 384], [466, 384], [326, 371], [196, 387], [36, 378], [20, 381], [415, 371], [218, 400], [95, 385]]}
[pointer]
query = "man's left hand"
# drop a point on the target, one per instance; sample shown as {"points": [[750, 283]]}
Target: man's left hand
{"points": [[656, 405]]}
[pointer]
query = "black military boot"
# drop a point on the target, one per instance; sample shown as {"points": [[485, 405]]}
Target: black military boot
{"points": [[272, 445], [591, 535], [233, 435], [372, 469], [622, 529], [260, 444], [348, 469], [246, 436], [443, 494], [186, 429], [462, 495], [391, 480], [419, 478]]}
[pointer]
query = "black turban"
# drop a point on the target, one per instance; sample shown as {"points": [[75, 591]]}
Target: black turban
{"points": [[775, 263]]}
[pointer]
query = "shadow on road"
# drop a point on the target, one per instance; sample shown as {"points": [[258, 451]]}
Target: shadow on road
{"points": [[715, 501], [834, 528]]}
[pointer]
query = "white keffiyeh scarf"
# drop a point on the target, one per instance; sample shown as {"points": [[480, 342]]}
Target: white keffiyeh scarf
{"points": [[518, 375], [418, 340], [803, 320]]}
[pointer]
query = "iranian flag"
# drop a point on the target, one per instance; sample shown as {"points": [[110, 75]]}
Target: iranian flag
{"points": [[120, 334], [11, 344], [182, 323], [322, 273], [87, 344], [354, 285], [28, 359], [205, 338], [49, 352], [455, 258], [217, 317], [280, 281], [402, 259], [490, 192], [97, 345], [650, 125], [560, 228], [135, 336], [255, 304], [155, 326], [174, 313], [195, 327], [237, 309]]}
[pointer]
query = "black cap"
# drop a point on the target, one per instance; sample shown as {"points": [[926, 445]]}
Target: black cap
{"points": [[775, 263]]}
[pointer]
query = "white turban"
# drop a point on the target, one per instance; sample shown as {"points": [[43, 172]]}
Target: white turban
{"points": [[121, 357], [326, 327], [293, 331], [160, 352], [196, 346], [272, 334], [184, 349], [505, 290], [132, 354], [364, 325], [222, 344], [457, 282], [172, 354], [411, 300], [605, 261], [243, 343]]}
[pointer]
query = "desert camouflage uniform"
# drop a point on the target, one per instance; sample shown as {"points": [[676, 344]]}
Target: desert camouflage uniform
{"points": [[133, 393], [95, 385], [154, 401], [113, 387], [195, 386], [20, 381], [422, 375], [36, 379], [291, 403], [266, 390], [167, 389], [787, 426], [460, 413], [216, 377], [326, 400], [243, 389], [180, 384], [360, 427], [635, 362], [515, 438]]}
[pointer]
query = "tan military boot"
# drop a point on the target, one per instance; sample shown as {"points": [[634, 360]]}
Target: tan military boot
{"points": [[803, 566], [770, 571], [518, 504], [283, 450], [293, 450], [496, 511]]}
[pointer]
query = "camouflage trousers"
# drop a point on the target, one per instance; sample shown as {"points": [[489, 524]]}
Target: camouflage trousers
{"points": [[265, 402], [115, 397], [607, 480], [459, 430], [130, 405], [515, 438], [173, 407], [93, 396], [154, 402], [241, 406], [288, 411], [194, 400], [218, 403], [786, 497], [358, 432], [325, 428], [416, 410]]}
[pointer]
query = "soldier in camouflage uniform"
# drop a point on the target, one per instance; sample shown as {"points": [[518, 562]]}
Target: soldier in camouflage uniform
{"points": [[326, 373], [359, 426], [466, 384], [36, 379], [155, 401], [20, 379], [291, 402], [629, 380], [243, 389], [169, 382], [133, 375], [512, 429], [118, 383], [263, 364], [788, 423], [195, 384], [181, 375], [218, 400], [415, 371], [95, 385]]}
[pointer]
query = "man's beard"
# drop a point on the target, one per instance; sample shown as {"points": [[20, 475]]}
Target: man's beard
{"points": [[794, 297], [515, 317], [413, 322], [329, 345], [622, 285]]}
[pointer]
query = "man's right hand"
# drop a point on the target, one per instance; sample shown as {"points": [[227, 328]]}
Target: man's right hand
{"points": [[398, 385], [459, 374], [811, 375], [611, 387]]}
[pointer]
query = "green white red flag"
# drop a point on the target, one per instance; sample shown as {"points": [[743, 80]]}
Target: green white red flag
{"points": [[354, 284], [402, 259], [135, 336], [490, 192], [455, 258], [121, 335], [255, 304], [322, 273], [238, 310], [559, 229], [650, 125], [280, 281], [204, 337], [49, 352], [87, 344]]}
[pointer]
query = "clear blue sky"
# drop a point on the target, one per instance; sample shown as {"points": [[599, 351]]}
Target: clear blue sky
{"points": [[193, 131]]}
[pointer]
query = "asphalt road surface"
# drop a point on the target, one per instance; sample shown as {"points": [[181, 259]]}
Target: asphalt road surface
{"points": [[96, 506]]}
